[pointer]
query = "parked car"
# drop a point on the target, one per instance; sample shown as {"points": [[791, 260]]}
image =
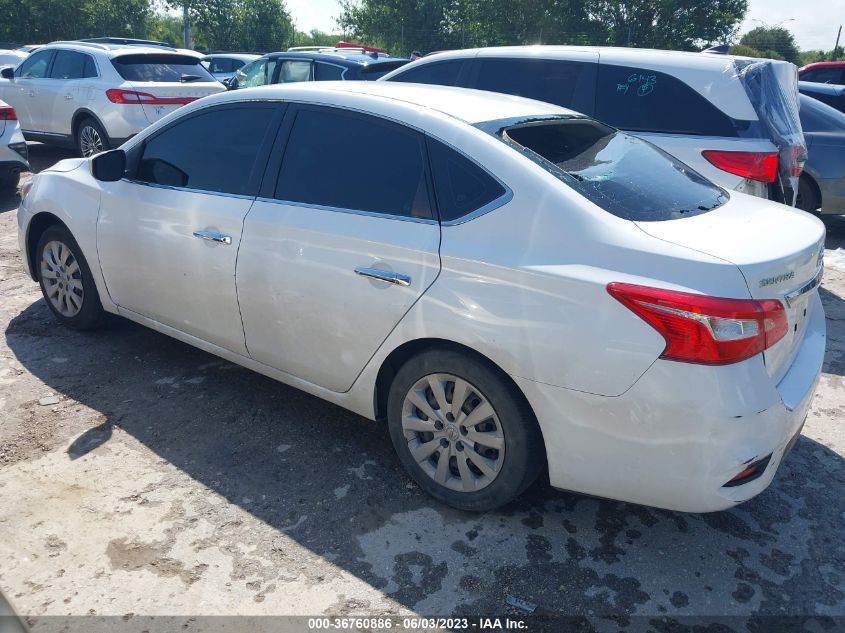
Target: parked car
{"points": [[822, 184], [224, 65], [733, 119], [326, 64], [11, 58], [831, 94], [823, 72], [29, 48], [94, 96], [506, 281], [13, 152]]}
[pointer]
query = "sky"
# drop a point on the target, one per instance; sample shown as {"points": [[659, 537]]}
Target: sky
{"points": [[813, 22]]}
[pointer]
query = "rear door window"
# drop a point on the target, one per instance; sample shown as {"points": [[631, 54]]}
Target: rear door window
{"points": [[461, 187], [213, 151], [161, 68], [294, 71], [830, 75], [70, 65], [436, 73], [391, 179], [642, 100], [615, 171], [568, 84]]}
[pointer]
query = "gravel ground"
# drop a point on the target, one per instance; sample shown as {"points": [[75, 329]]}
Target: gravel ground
{"points": [[139, 475]]}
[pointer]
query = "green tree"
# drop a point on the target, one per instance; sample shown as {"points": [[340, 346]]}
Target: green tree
{"points": [[315, 37], [263, 25], [669, 24], [746, 51], [776, 39]]}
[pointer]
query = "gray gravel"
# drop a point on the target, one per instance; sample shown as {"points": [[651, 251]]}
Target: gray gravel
{"points": [[142, 476]]}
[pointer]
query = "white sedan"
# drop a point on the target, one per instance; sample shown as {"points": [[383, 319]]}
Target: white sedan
{"points": [[507, 283]]}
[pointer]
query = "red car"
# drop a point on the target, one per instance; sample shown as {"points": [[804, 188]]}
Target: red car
{"points": [[823, 73]]}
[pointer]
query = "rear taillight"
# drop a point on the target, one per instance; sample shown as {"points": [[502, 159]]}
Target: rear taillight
{"points": [[797, 158], [131, 97], [7, 113], [702, 329], [760, 166]]}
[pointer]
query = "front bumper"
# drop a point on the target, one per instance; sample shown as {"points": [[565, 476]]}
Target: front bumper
{"points": [[682, 431]]}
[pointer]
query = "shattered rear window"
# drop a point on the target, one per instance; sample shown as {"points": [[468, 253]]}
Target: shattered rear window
{"points": [[623, 175]]}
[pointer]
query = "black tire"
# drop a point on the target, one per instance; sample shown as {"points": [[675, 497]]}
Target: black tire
{"points": [[83, 140], [10, 183], [808, 198], [90, 313], [524, 454]]}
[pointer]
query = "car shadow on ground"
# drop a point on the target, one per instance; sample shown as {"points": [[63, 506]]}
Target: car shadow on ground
{"points": [[328, 479]]}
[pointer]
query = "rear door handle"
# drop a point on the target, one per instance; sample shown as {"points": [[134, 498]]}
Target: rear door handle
{"points": [[384, 275], [219, 238]]}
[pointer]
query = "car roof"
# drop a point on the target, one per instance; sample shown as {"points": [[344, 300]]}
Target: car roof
{"points": [[115, 50], [607, 54], [821, 65], [470, 106], [247, 57], [335, 56], [827, 89]]}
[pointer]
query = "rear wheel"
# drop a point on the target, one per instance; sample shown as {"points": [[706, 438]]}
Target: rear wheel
{"points": [[807, 198], [91, 138], [66, 280], [462, 431]]}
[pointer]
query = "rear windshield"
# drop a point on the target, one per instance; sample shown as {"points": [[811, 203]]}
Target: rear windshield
{"points": [[376, 71], [164, 68], [623, 175]]}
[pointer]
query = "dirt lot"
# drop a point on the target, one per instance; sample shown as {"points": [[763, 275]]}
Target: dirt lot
{"points": [[141, 476]]}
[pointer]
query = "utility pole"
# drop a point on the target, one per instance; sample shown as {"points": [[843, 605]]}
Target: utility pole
{"points": [[186, 26], [836, 46]]}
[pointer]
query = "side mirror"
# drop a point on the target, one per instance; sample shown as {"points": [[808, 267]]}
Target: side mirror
{"points": [[7, 73], [231, 83], [109, 166]]}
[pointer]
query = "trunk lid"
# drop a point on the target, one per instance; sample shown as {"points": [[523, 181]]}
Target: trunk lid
{"points": [[171, 96], [777, 249]]}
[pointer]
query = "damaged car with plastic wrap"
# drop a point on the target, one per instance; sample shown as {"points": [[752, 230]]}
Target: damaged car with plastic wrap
{"points": [[733, 119]]}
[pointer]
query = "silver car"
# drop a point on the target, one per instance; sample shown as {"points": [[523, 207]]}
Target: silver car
{"points": [[223, 66], [13, 153]]}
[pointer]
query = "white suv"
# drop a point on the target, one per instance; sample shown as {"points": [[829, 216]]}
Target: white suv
{"points": [[94, 96], [733, 119]]}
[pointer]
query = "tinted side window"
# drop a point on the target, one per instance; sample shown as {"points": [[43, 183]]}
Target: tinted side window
{"points": [[648, 101], [563, 83], [253, 74], [34, 66], [214, 151], [823, 75], [221, 65], [69, 65], [294, 72], [460, 185], [327, 72], [440, 73], [90, 67], [391, 180]]}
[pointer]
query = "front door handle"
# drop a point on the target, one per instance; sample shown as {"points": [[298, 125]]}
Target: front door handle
{"points": [[384, 275], [219, 238], [68, 97]]}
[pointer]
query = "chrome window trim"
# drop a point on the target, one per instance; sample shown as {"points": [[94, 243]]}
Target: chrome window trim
{"points": [[811, 285], [239, 196], [373, 214]]}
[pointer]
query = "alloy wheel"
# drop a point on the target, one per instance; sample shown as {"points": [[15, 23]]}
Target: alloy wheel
{"points": [[90, 141], [62, 279], [453, 432]]}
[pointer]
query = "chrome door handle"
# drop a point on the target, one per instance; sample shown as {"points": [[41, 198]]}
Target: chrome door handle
{"points": [[213, 237], [32, 93], [384, 275], [68, 97]]}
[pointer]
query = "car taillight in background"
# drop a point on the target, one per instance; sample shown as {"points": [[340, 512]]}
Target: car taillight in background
{"points": [[7, 113], [131, 97], [797, 158], [759, 166], [705, 330]]}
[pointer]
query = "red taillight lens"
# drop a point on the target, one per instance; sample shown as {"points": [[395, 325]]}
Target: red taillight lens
{"points": [[760, 166], [702, 329], [797, 158], [131, 97], [7, 113]]}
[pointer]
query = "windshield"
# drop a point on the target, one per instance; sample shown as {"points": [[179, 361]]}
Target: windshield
{"points": [[623, 175], [161, 68]]}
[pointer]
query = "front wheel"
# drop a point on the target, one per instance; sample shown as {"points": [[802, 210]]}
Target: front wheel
{"points": [[462, 431], [66, 280]]}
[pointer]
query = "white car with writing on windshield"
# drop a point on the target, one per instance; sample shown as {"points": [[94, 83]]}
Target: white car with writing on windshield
{"points": [[507, 284]]}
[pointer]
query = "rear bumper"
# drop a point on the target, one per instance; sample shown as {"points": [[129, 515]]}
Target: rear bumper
{"points": [[682, 431]]}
